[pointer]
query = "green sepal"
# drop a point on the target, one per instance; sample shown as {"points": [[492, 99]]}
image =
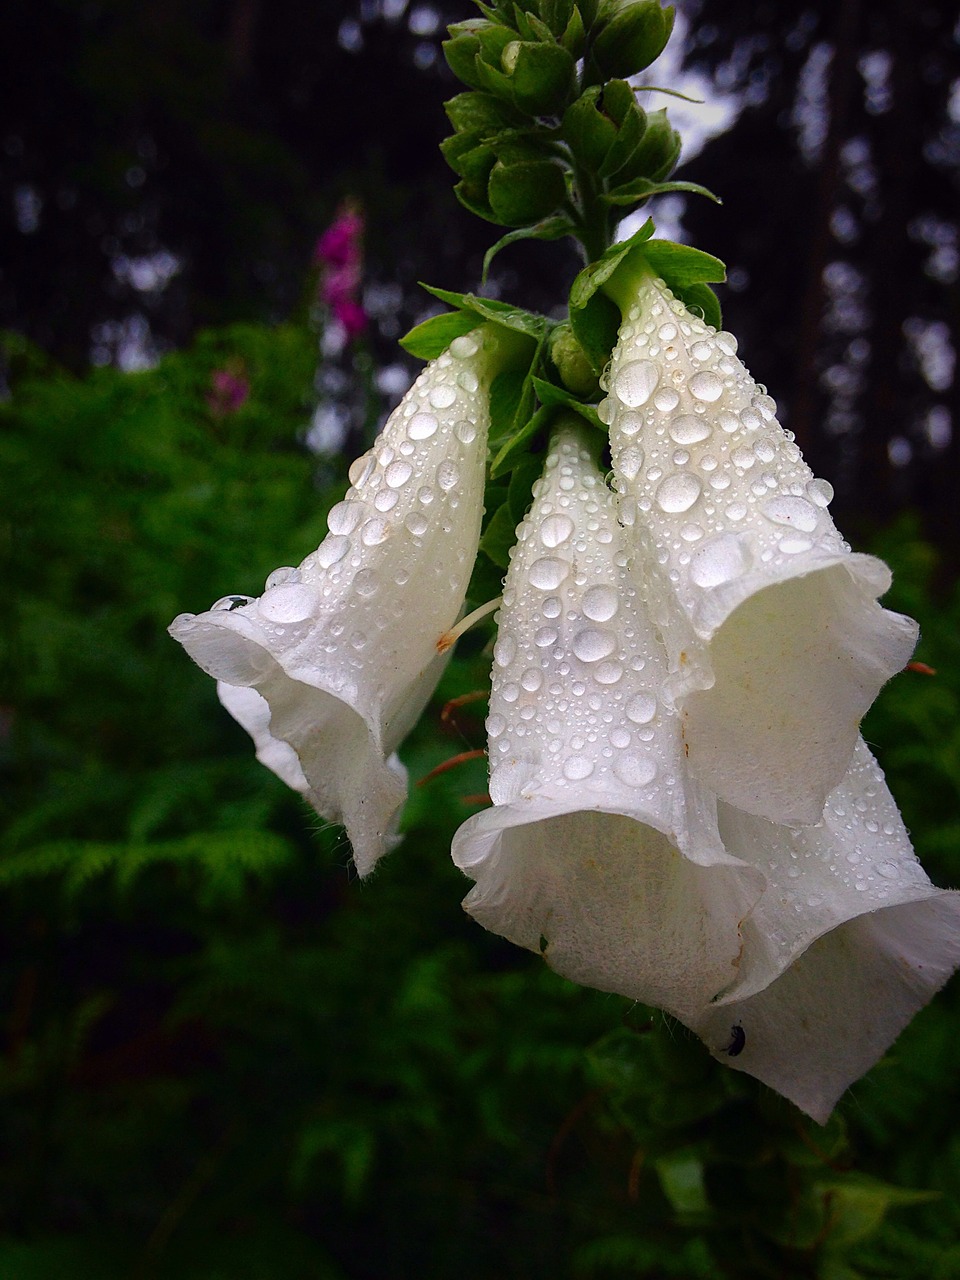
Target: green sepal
{"points": [[594, 318], [659, 149], [493, 80], [547, 229], [574, 38], [681, 265], [482, 113], [474, 199], [557, 14], [685, 270], [588, 130], [505, 458], [516, 319], [642, 189], [542, 78], [431, 338], [551, 396], [509, 396], [700, 298], [627, 142], [470, 156], [631, 39], [525, 192]]}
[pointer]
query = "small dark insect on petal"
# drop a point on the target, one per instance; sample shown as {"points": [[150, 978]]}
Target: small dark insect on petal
{"points": [[738, 1038]]}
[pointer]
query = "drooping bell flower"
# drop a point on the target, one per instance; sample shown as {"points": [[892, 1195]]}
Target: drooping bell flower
{"points": [[600, 851], [849, 940], [345, 648], [776, 642]]}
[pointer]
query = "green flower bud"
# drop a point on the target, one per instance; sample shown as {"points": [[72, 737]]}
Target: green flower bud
{"points": [[541, 76], [526, 191], [576, 371], [657, 153], [632, 38]]}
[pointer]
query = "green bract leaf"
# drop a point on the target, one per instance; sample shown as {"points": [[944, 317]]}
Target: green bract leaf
{"points": [[552, 396], [588, 130], [547, 229], [557, 14], [574, 38], [681, 265], [593, 276], [595, 319], [523, 476], [527, 192], [430, 339], [516, 445], [627, 142], [516, 319], [542, 78], [701, 299], [658, 151], [481, 112], [474, 198], [642, 189]]}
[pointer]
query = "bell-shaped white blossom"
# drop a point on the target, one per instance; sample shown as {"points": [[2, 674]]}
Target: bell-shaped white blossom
{"points": [[599, 850], [345, 650], [849, 940], [776, 643]]}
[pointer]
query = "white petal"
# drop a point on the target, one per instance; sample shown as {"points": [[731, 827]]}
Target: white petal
{"points": [[598, 844], [344, 648], [849, 940], [777, 645], [251, 710]]}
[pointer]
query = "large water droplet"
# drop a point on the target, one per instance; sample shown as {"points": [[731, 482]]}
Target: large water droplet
{"points": [[687, 428], [417, 524], [361, 469], [600, 603], [591, 646], [547, 573], [720, 560], [280, 576], [609, 672], [290, 603], [635, 771], [820, 492], [448, 475], [465, 431], [422, 426], [464, 347], [495, 725], [374, 532], [331, 550], [504, 651], [545, 637], [386, 500], [227, 604], [629, 461], [798, 513], [636, 383], [706, 386], [344, 517], [576, 768], [666, 399], [442, 397], [532, 679], [702, 350], [398, 473], [678, 493], [555, 530], [641, 708]]}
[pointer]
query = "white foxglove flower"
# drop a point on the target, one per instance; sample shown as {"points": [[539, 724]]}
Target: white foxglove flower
{"points": [[344, 649], [777, 645], [599, 850], [852, 933]]}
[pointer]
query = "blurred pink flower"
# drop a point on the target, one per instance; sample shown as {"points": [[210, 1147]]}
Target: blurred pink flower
{"points": [[339, 255], [229, 391]]}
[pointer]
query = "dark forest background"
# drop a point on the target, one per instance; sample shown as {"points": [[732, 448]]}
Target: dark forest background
{"points": [[222, 1056]]}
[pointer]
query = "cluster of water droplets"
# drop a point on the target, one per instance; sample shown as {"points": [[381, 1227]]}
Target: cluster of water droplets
{"points": [[699, 455], [402, 542], [577, 668]]}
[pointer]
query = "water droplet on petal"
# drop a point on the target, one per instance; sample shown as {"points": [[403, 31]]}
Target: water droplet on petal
{"points": [[591, 646], [417, 524], [641, 708], [798, 513], [636, 383], [702, 350], [600, 603], [448, 475], [495, 725], [331, 550], [344, 517], [635, 771], [442, 397], [678, 493], [422, 426], [706, 386], [361, 469], [465, 431], [398, 473], [687, 428], [280, 576], [386, 500], [820, 492], [608, 673], [545, 637], [720, 560], [504, 651], [532, 679], [290, 603], [629, 462], [547, 573], [555, 530], [227, 604], [666, 399], [795, 544], [576, 768], [464, 347], [374, 532]]}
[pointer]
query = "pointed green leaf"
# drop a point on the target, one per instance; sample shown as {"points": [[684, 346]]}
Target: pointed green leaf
{"points": [[431, 338], [642, 189], [547, 229], [551, 395]]}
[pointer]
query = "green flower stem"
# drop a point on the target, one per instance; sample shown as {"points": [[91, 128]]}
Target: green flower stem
{"points": [[591, 215]]}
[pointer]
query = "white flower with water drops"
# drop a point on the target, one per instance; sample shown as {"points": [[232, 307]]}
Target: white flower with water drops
{"points": [[599, 850], [346, 649], [777, 645], [848, 942]]}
